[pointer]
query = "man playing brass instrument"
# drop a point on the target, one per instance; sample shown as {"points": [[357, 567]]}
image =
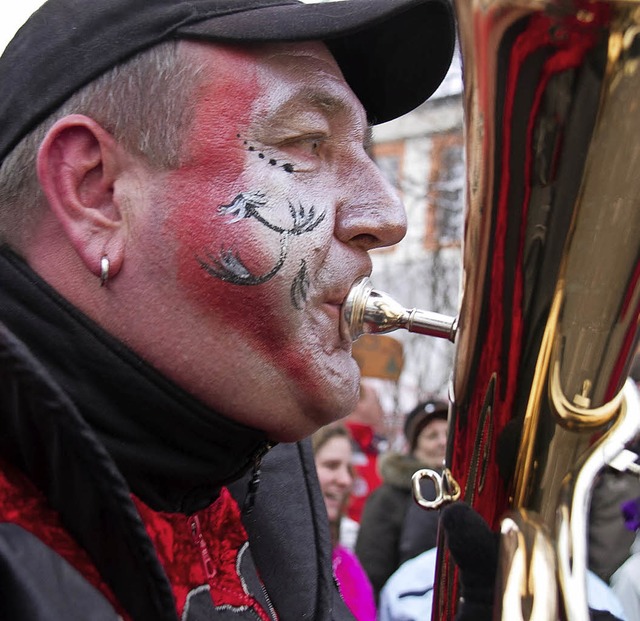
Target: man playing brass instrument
{"points": [[185, 200]]}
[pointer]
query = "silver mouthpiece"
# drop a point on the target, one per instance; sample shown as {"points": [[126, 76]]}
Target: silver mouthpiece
{"points": [[369, 311]]}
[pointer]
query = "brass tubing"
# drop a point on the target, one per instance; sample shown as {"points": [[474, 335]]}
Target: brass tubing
{"points": [[575, 500]]}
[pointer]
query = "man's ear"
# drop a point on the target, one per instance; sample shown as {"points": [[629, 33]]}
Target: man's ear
{"points": [[79, 163]]}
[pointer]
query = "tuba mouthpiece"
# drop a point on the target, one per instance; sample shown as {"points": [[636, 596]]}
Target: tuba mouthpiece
{"points": [[369, 311]]}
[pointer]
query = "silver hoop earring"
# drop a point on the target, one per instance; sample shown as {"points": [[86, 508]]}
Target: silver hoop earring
{"points": [[104, 270]]}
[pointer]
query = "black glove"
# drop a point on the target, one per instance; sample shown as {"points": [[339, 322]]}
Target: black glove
{"points": [[601, 615], [474, 548]]}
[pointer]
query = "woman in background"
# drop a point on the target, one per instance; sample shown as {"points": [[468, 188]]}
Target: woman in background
{"points": [[394, 528], [333, 456]]}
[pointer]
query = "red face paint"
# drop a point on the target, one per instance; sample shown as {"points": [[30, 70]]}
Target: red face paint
{"points": [[268, 221]]}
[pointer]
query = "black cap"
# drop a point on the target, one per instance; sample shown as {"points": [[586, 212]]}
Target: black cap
{"points": [[393, 53], [421, 416]]}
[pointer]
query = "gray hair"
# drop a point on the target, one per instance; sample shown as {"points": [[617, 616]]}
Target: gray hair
{"points": [[146, 103]]}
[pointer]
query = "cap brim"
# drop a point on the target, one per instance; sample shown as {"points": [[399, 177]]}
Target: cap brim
{"points": [[394, 55]]}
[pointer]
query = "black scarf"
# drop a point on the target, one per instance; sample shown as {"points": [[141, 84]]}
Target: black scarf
{"points": [[173, 451]]}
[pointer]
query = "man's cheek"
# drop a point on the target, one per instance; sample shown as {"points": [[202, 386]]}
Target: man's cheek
{"points": [[214, 257], [232, 274]]}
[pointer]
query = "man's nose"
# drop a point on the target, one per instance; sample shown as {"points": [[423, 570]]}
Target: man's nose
{"points": [[370, 214]]}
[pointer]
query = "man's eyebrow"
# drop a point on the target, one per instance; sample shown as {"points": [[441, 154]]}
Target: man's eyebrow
{"points": [[334, 105], [324, 102]]}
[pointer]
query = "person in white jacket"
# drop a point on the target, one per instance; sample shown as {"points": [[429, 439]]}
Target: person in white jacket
{"points": [[408, 594]]}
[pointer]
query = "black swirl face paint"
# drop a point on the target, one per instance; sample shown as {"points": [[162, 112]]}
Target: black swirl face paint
{"points": [[300, 287], [226, 264]]}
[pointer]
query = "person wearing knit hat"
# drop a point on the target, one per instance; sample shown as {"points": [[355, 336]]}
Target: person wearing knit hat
{"points": [[394, 528], [428, 446]]}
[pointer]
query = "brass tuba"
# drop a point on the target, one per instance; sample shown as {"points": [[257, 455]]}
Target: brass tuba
{"points": [[550, 303]]}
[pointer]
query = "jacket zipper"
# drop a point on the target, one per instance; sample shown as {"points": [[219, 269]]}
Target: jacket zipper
{"points": [[254, 482], [205, 556], [270, 609], [208, 566]]}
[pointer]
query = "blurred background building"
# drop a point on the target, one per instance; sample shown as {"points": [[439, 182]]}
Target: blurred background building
{"points": [[422, 155]]}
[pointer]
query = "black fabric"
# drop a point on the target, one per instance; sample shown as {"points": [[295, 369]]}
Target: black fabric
{"points": [[602, 615], [288, 471], [47, 588], [42, 433], [420, 528], [474, 548], [174, 452], [393, 528], [393, 54]]}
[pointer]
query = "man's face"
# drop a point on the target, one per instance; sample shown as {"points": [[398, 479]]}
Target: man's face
{"points": [[251, 245]]}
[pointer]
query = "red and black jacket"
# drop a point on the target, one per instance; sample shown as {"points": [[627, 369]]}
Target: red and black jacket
{"points": [[113, 487]]}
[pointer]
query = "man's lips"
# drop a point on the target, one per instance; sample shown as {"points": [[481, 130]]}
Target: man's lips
{"points": [[337, 298], [333, 309], [333, 300]]}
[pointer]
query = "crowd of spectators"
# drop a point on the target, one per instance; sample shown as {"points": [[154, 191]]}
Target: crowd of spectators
{"points": [[388, 542]]}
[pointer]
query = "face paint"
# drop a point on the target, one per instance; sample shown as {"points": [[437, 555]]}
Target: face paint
{"points": [[267, 223], [227, 265], [286, 166]]}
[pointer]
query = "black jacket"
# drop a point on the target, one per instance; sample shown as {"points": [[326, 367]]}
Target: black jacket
{"points": [[393, 528], [89, 423]]}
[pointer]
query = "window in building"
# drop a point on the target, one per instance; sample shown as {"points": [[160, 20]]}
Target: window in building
{"points": [[389, 158], [445, 213]]}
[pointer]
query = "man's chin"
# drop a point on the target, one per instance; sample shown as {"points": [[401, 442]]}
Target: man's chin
{"points": [[310, 420], [317, 404], [295, 433]]}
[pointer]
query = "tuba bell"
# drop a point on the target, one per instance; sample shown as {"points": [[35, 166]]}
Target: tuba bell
{"points": [[550, 294]]}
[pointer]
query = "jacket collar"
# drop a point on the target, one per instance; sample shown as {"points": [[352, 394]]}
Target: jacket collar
{"points": [[43, 434], [174, 452], [397, 469]]}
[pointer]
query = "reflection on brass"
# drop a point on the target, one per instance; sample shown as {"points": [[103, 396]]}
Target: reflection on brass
{"points": [[446, 488], [575, 500], [578, 415], [369, 311], [550, 286], [532, 554], [526, 560], [482, 444]]}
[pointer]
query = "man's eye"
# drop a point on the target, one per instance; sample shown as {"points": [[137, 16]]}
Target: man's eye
{"points": [[311, 145], [305, 151]]}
